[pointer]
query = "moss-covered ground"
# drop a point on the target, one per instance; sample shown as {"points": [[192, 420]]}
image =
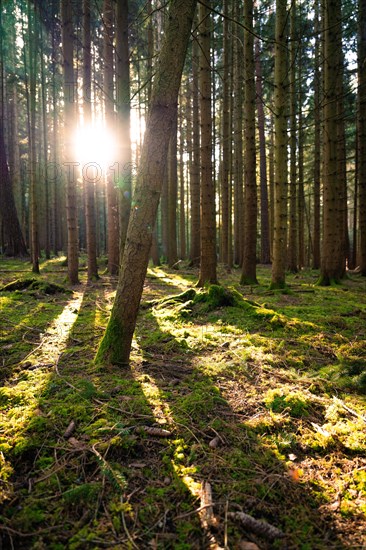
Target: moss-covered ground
{"points": [[258, 393]]}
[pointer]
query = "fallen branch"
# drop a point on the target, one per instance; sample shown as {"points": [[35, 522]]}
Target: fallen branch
{"points": [[351, 411], [259, 527]]}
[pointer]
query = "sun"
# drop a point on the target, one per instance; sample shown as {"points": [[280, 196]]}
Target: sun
{"points": [[95, 145]]}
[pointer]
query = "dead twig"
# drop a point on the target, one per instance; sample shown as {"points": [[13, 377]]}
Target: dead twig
{"points": [[259, 527], [351, 411]]}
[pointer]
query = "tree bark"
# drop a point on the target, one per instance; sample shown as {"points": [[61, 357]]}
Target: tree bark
{"points": [[362, 132], [123, 109], [69, 115], [332, 267], [116, 344], [249, 274], [265, 232], [111, 190], [208, 230], [89, 184], [195, 167], [280, 153]]}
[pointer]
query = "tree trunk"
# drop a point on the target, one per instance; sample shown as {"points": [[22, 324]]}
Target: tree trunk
{"points": [[13, 238], [123, 109], [265, 233], [362, 132], [89, 183], [317, 142], [69, 116], [32, 151], [111, 191], [332, 267], [226, 141], [208, 230], [280, 182], [173, 195], [249, 274], [293, 234], [195, 167], [116, 344]]}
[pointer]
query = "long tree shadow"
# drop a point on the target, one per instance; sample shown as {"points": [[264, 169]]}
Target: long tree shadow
{"points": [[85, 470], [227, 447]]}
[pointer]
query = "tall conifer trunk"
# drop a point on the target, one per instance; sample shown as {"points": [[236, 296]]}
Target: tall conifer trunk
{"points": [[362, 132], [111, 190], [280, 152], [69, 128], [249, 275], [332, 267], [89, 184], [208, 229]]}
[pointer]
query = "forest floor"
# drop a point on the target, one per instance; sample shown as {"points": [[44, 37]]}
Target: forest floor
{"points": [[240, 422]]}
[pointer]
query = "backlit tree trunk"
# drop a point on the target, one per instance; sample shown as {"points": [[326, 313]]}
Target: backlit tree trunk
{"points": [[292, 240], [89, 184], [111, 190], [123, 109], [226, 142], [116, 344], [69, 128]]}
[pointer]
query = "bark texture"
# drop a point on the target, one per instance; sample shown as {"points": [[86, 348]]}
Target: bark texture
{"points": [[116, 344]]}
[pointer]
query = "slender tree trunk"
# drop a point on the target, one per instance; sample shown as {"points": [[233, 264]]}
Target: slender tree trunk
{"points": [[69, 127], [34, 222], [362, 132], [182, 201], [237, 110], [317, 144], [173, 195], [111, 191], [208, 230], [280, 182], [332, 267], [249, 274], [116, 344], [195, 167], [89, 183], [293, 234], [226, 141], [123, 108], [265, 233], [13, 238]]}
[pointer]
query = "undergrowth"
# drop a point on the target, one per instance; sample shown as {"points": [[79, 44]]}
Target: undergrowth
{"points": [[259, 393]]}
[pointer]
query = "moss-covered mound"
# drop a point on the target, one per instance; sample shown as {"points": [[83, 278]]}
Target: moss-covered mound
{"points": [[35, 285]]}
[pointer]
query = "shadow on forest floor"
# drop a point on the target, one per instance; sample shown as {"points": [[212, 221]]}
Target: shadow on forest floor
{"points": [[110, 457]]}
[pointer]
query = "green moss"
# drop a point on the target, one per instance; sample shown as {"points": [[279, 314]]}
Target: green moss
{"points": [[282, 400], [113, 349]]}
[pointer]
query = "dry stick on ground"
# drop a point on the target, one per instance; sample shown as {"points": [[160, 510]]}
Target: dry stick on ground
{"points": [[261, 528], [351, 411]]}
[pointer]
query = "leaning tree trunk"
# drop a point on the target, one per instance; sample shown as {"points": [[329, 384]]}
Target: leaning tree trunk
{"points": [[116, 344]]}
